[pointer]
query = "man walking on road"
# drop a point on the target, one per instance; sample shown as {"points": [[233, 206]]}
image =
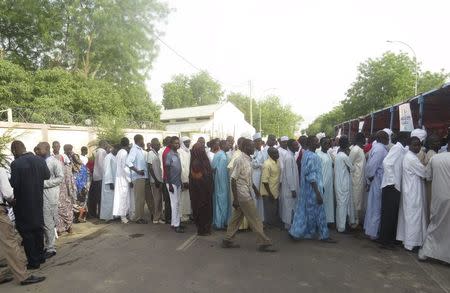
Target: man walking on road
{"points": [[243, 203]]}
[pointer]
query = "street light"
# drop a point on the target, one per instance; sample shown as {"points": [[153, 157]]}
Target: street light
{"points": [[415, 62], [264, 91]]}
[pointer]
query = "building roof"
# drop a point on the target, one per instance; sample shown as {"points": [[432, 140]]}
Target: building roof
{"points": [[190, 112]]}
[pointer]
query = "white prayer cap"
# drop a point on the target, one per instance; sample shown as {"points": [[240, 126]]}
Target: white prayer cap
{"points": [[320, 135], [284, 138], [419, 133], [257, 136], [388, 131], [184, 138]]}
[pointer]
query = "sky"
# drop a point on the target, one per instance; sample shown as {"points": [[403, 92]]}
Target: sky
{"points": [[306, 52]]}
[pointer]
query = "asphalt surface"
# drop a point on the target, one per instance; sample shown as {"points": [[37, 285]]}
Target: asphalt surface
{"points": [[152, 258]]}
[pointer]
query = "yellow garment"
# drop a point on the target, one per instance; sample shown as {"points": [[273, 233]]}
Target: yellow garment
{"points": [[270, 174]]}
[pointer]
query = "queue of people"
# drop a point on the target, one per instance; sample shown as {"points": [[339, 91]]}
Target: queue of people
{"points": [[395, 187]]}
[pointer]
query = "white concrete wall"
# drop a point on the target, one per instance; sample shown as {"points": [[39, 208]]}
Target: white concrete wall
{"points": [[78, 136]]}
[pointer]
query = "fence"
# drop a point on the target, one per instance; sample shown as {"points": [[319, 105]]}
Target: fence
{"points": [[78, 136]]}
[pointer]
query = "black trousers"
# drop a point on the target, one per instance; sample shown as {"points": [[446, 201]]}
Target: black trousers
{"points": [[33, 244], [167, 206], [271, 212], [94, 198], [390, 203]]}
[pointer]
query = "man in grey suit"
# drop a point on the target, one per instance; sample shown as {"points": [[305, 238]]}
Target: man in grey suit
{"points": [[51, 197]]}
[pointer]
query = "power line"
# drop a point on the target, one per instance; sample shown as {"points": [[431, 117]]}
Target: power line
{"points": [[178, 54], [192, 64]]}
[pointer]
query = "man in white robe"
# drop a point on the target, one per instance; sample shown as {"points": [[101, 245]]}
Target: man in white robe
{"points": [[109, 179], [374, 177], [412, 219], [257, 163], [122, 190], [343, 186], [185, 157], [327, 176], [437, 242], [358, 160], [283, 152], [290, 183], [391, 191]]}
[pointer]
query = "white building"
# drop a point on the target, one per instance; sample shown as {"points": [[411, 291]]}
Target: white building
{"points": [[210, 121]]}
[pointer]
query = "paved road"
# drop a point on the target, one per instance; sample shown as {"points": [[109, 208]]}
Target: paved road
{"points": [[149, 258]]}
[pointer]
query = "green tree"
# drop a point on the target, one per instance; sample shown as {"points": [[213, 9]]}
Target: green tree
{"points": [[242, 102], [326, 122], [110, 129], [58, 96], [113, 40], [380, 82], [385, 81], [29, 30], [189, 91], [276, 118]]}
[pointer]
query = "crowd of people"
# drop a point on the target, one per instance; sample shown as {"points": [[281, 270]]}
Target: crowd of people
{"points": [[393, 186]]}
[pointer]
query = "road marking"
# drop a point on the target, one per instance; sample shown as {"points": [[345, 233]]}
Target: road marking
{"points": [[186, 244]]}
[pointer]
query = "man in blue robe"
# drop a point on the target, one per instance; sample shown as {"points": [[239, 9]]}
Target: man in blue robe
{"points": [[221, 197], [309, 217], [374, 177]]}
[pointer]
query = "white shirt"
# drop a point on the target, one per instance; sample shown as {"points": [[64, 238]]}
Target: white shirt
{"points": [[84, 159], [100, 155], [6, 191], [392, 166], [137, 159], [154, 160]]}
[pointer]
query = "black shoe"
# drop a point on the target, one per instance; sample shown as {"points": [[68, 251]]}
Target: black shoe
{"points": [[266, 248], [141, 221], [32, 280], [179, 230], [229, 244], [33, 267], [6, 280], [49, 254]]}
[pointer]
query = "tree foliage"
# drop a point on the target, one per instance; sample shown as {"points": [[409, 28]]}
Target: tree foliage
{"points": [[276, 118], [111, 129], [380, 83], [79, 58], [58, 96], [189, 91], [108, 39]]}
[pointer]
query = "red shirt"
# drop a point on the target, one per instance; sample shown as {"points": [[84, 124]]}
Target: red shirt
{"points": [[367, 148], [164, 155]]}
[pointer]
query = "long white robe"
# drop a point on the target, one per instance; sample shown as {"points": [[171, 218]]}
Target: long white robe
{"points": [[437, 242], [289, 182], [257, 163], [343, 188], [328, 184], [123, 203], [412, 217], [109, 176], [358, 160], [185, 205]]}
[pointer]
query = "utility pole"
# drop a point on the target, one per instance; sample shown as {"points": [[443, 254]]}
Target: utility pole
{"points": [[251, 101]]}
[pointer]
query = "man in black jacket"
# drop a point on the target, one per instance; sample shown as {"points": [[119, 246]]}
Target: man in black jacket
{"points": [[28, 173]]}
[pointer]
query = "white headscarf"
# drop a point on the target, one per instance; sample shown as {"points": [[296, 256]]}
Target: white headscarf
{"points": [[182, 146], [419, 133], [320, 135]]}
